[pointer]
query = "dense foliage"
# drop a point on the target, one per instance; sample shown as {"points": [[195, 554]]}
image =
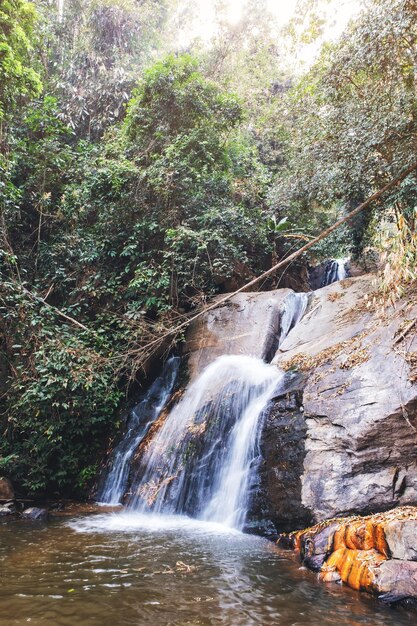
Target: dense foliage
{"points": [[137, 180], [352, 120]]}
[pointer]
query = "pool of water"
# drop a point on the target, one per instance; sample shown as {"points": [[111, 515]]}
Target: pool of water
{"points": [[117, 569]]}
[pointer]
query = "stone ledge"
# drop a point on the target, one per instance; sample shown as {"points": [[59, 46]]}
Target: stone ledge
{"points": [[376, 553]]}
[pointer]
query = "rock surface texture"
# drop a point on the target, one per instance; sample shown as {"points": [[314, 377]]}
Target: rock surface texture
{"points": [[354, 416], [343, 439], [247, 325], [376, 554]]}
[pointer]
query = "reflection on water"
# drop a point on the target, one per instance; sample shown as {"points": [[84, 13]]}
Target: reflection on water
{"points": [[125, 569]]}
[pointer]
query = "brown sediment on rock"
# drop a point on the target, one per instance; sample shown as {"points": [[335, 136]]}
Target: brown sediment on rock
{"points": [[158, 423], [352, 348], [376, 553]]}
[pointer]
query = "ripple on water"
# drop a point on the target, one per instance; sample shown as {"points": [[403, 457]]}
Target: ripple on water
{"points": [[127, 569]]}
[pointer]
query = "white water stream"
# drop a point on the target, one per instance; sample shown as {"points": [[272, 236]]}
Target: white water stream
{"points": [[140, 420]]}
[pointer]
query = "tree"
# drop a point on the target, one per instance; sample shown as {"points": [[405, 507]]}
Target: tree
{"points": [[123, 234], [351, 120], [18, 78], [94, 53]]}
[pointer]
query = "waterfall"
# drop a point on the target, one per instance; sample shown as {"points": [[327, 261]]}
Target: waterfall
{"points": [[328, 272], [292, 311], [200, 461], [335, 270], [230, 498], [140, 420], [203, 458]]}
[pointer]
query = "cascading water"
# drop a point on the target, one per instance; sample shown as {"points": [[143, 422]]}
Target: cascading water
{"points": [[229, 501], [140, 420], [328, 272], [202, 460], [335, 270], [292, 311], [199, 462]]}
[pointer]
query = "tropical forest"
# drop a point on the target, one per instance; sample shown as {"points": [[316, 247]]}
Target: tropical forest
{"points": [[208, 312]]}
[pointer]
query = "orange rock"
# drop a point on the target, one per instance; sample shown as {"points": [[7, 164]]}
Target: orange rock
{"points": [[376, 553], [361, 534], [356, 567], [329, 576]]}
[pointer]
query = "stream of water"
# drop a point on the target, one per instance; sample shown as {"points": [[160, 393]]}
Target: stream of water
{"points": [[130, 569], [140, 419]]}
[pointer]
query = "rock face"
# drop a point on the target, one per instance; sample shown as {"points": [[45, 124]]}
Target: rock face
{"points": [[6, 490], [247, 325], [352, 423], [277, 501], [367, 553], [343, 439]]}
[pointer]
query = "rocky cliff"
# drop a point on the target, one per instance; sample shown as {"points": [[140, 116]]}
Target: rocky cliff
{"points": [[344, 438]]}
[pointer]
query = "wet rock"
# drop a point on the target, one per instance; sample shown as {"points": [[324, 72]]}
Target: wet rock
{"points": [[329, 576], [6, 489], [35, 513], [356, 567], [395, 580], [276, 496], [7, 509], [359, 551], [315, 546], [287, 541], [57, 506]]}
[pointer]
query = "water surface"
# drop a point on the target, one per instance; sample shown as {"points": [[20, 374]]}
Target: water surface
{"points": [[125, 569]]}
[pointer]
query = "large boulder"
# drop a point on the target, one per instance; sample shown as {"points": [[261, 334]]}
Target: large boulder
{"points": [[366, 553], [248, 324], [357, 446]]}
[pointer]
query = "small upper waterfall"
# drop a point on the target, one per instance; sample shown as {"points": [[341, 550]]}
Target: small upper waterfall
{"points": [[328, 272], [335, 270], [140, 420]]}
